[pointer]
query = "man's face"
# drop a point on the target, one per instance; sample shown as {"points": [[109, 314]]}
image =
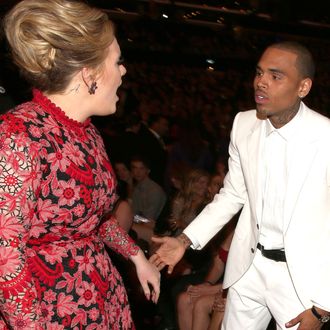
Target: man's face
{"points": [[139, 171], [277, 83]]}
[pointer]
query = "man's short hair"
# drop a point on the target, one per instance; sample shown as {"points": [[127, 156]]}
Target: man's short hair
{"points": [[305, 61], [141, 159]]}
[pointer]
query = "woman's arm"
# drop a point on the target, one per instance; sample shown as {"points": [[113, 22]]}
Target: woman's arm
{"points": [[19, 179], [118, 239], [147, 274]]}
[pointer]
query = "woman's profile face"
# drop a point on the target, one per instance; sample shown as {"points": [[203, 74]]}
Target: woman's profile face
{"points": [[108, 82], [122, 171]]}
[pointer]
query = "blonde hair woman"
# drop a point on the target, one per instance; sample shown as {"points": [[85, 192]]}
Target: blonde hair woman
{"points": [[57, 184], [190, 199]]}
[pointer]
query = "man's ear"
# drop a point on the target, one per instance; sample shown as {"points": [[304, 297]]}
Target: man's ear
{"points": [[305, 87]]}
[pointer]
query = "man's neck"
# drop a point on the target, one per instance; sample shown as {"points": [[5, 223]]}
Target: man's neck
{"points": [[283, 118]]}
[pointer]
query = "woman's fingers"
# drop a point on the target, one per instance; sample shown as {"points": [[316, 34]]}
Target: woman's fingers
{"points": [[146, 289]]}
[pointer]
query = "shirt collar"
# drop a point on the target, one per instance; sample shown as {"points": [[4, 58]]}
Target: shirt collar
{"points": [[289, 129]]}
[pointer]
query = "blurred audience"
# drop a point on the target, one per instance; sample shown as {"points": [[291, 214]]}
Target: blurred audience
{"points": [[148, 198], [190, 149], [154, 147]]}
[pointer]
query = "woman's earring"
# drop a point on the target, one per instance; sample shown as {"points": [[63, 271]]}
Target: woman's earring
{"points": [[92, 88]]}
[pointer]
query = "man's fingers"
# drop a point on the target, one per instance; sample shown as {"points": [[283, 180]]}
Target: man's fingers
{"points": [[293, 322], [161, 265], [156, 261], [170, 269]]}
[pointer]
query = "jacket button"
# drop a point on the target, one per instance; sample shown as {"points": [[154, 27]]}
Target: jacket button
{"points": [[252, 250], [258, 226]]}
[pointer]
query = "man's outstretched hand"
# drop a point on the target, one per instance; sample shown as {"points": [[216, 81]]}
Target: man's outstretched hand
{"points": [[169, 253]]}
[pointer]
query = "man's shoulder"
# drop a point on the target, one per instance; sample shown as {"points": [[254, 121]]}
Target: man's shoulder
{"points": [[152, 186], [317, 116], [246, 119], [248, 114], [316, 122]]}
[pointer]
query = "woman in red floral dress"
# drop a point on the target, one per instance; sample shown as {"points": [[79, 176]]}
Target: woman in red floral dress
{"points": [[57, 186]]}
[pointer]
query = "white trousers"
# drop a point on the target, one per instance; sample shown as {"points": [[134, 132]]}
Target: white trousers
{"points": [[265, 290]]}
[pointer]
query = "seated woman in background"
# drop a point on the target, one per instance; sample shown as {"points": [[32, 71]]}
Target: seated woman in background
{"points": [[123, 210], [124, 180], [190, 200], [124, 214], [221, 166], [215, 184], [196, 304], [191, 197]]}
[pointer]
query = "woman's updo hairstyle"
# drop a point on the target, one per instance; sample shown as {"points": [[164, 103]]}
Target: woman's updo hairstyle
{"points": [[51, 40]]}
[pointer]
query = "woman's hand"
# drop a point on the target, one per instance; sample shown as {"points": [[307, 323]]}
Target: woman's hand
{"points": [[202, 289], [219, 302], [148, 276]]}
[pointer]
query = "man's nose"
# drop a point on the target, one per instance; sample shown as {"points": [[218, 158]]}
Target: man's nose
{"points": [[261, 81]]}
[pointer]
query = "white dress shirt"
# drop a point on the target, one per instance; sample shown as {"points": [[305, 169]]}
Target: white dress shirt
{"points": [[275, 177]]}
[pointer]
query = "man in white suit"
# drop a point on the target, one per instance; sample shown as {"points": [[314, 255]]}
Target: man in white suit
{"points": [[279, 176]]}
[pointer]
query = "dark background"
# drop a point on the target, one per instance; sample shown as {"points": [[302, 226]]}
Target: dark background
{"points": [[243, 28]]}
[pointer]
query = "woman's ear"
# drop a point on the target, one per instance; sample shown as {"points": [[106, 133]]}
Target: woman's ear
{"points": [[89, 78]]}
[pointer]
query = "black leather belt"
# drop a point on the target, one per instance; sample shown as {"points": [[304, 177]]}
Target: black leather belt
{"points": [[276, 255]]}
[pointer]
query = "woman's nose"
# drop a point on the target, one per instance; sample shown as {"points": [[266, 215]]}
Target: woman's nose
{"points": [[123, 70]]}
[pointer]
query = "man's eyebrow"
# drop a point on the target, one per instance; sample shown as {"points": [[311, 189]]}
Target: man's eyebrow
{"points": [[273, 70], [276, 71]]}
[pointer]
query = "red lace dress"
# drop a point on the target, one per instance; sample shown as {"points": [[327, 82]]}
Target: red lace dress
{"points": [[56, 188]]}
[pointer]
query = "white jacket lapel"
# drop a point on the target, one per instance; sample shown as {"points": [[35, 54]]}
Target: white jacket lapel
{"points": [[301, 154], [255, 145]]}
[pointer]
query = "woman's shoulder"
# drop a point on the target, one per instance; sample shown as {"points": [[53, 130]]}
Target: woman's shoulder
{"points": [[16, 125], [26, 112]]}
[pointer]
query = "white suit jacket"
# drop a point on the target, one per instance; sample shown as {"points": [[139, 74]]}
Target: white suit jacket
{"points": [[306, 211]]}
